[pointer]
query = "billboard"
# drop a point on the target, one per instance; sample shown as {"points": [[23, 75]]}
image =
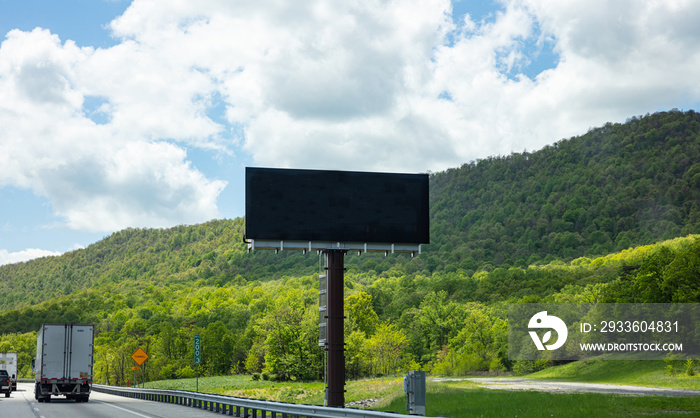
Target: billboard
{"points": [[337, 206]]}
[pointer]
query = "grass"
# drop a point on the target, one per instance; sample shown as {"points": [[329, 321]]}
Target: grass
{"points": [[245, 387], [446, 400], [296, 392], [641, 373], [464, 399]]}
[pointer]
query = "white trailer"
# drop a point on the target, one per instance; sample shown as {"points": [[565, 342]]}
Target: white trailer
{"points": [[63, 363], [8, 361]]}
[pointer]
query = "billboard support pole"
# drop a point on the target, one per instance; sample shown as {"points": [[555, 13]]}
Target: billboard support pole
{"points": [[335, 341]]}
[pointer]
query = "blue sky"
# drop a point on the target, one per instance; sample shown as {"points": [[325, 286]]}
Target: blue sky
{"points": [[83, 21], [145, 113]]}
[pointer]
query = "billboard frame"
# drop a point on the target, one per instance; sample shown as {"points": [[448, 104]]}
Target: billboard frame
{"points": [[309, 246]]}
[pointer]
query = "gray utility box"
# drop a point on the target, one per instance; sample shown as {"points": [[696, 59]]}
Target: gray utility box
{"points": [[64, 362], [414, 386]]}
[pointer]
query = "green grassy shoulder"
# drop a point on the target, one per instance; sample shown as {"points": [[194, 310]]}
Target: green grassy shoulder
{"points": [[384, 389], [642, 373], [450, 401], [464, 399]]}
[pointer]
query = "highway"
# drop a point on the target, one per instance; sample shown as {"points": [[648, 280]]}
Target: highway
{"points": [[21, 404]]}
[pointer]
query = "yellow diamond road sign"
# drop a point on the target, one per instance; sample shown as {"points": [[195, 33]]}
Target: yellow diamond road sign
{"points": [[139, 356]]}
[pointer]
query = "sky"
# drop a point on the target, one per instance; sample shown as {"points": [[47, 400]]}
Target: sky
{"points": [[145, 113]]}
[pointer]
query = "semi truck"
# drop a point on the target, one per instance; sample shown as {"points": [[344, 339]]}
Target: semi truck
{"points": [[63, 364], [8, 361]]}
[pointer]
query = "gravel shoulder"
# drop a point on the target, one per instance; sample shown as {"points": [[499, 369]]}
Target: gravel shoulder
{"points": [[514, 383]]}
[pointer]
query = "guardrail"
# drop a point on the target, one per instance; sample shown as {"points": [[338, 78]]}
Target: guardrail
{"points": [[240, 407]]}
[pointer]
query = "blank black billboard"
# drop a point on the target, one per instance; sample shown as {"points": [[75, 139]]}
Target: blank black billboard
{"points": [[336, 206]]}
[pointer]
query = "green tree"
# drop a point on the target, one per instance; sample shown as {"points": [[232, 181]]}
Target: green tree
{"points": [[387, 347], [439, 319], [682, 277], [360, 313]]}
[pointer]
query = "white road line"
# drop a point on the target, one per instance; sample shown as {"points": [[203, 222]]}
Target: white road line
{"points": [[125, 410]]}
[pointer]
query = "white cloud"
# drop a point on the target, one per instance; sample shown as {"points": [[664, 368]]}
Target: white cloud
{"points": [[24, 255], [103, 177], [378, 85], [302, 78]]}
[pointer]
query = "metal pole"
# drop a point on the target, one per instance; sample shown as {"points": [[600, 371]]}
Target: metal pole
{"points": [[335, 346], [325, 375]]}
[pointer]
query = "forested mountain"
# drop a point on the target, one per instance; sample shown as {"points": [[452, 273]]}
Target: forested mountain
{"points": [[506, 229], [616, 186], [213, 252]]}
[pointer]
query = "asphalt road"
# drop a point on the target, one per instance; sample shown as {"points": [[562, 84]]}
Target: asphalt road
{"points": [[21, 404]]}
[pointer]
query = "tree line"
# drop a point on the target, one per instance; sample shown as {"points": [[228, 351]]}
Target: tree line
{"points": [[446, 323], [527, 227]]}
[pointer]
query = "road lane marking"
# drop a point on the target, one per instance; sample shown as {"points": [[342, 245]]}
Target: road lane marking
{"points": [[125, 410]]}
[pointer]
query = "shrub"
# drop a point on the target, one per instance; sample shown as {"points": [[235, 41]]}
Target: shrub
{"points": [[186, 373], [689, 368]]}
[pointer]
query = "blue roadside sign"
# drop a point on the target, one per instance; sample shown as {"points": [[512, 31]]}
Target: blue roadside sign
{"points": [[197, 349]]}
